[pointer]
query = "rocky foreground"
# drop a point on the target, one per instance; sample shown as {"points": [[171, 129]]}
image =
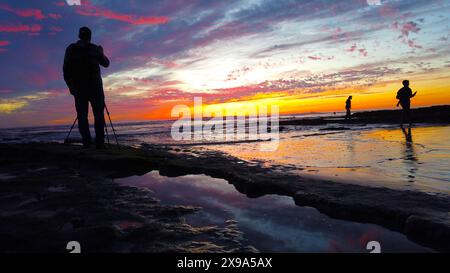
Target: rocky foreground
{"points": [[54, 193], [51, 194]]}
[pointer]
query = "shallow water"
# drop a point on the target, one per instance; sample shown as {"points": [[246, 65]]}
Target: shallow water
{"points": [[415, 159], [381, 156], [270, 223], [374, 155]]}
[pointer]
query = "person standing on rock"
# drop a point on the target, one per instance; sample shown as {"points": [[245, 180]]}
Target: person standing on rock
{"points": [[348, 107], [404, 96], [83, 78]]}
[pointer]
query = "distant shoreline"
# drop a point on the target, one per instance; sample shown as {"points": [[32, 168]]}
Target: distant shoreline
{"points": [[432, 114]]}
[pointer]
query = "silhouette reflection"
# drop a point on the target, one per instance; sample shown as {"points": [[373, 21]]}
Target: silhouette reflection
{"points": [[410, 158]]}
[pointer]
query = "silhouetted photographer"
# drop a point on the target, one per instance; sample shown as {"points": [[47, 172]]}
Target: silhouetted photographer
{"points": [[83, 77]]}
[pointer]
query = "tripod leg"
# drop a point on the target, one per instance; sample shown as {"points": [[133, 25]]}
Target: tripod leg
{"points": [[112, 126], [70, 131]]}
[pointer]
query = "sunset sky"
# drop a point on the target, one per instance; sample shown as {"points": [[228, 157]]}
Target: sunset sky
{"points": [[305, 56]]}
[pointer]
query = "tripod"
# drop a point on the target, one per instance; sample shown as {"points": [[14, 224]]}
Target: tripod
{"points": [[66, 140]]}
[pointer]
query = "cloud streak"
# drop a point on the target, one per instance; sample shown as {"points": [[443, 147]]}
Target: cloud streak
{"points": [[20, 28], [87, 9], [29, 12]]}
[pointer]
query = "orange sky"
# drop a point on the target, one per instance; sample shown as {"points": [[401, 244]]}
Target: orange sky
{"points": [[304, 56], [431, 91]]}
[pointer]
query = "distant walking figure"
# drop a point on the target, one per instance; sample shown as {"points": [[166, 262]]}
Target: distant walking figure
{"points": [[348, 107], [82, 75], [404, 96]]}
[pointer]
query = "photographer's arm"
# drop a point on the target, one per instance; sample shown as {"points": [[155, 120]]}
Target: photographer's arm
{"points": [[103, 60]]}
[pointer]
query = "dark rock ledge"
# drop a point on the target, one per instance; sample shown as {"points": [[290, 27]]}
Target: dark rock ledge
{"points": [[423, 218]]}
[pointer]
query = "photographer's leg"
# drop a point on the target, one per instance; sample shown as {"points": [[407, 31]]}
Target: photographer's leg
{"points": [[98, 106], [81, 105]]}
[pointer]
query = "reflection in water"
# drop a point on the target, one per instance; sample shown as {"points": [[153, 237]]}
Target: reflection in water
{"points": [[351, 148], [374, 157], [368, 155], [410, 158], [271, 223]]}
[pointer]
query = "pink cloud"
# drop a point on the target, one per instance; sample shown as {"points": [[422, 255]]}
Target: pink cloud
{"points": [[4, 43], [405, 30], [20, 28], [352, 48], [362, 51], [412, 44], [314, 58], [409, 27], [318, 58], [36, 13], [91, 10], [17, 28]]}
